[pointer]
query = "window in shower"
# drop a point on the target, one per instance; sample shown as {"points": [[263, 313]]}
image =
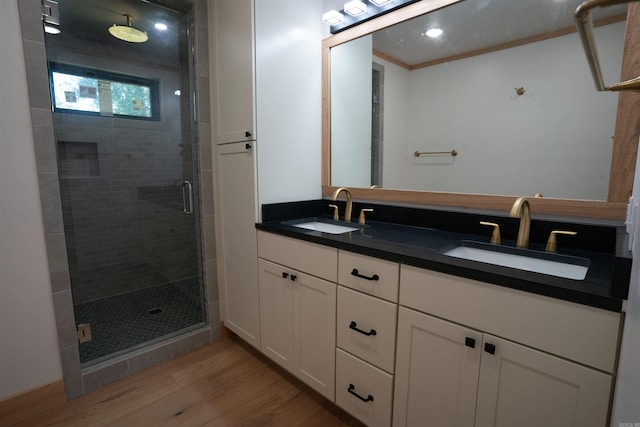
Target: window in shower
{"points": [[84, 90]]}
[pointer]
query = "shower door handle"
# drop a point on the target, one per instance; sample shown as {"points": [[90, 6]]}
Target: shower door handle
{"points": [[187, 197]]}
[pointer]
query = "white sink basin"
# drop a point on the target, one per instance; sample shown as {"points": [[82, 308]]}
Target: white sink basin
{"points": [[575, 268], [325, 227]]}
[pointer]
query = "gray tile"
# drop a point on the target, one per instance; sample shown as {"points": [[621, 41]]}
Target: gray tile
{"points": [[57, 253], [215, 332], [204, 108], [37, 74], [51, 203], [60, 281], [65, 320], [153, 357], [204, 139], [71, 371], [214, 319], [105, 375], [212, 279], [193, 341], [30, 20], [43, 138], [209, 236]]}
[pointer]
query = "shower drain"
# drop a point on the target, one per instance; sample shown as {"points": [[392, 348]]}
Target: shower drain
{"points": [[155, 311]]}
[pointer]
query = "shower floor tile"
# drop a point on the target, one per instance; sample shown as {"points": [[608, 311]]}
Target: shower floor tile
{"points": [[127, 320]]}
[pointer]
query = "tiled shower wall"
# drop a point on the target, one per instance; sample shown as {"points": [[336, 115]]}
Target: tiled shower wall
{"points": [[120, 184], [78, 381]]}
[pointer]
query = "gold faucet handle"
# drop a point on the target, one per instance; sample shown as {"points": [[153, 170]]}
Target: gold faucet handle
{"points": [[496, 239], [335, 212], [552, 243], [361, 219]]}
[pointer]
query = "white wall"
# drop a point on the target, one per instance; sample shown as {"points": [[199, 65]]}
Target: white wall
{"points": [[289, 99], [395, 125], [627, 388], [470, 105], [351, 113], [29, 346]]}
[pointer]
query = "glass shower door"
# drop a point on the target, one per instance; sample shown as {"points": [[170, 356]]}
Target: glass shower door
{"points": [[127, 164]]}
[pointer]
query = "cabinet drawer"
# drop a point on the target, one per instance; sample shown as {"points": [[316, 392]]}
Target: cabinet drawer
{"points": [[317, 260], [355, 376], [368, 314], [577, 332], [384, 286]]}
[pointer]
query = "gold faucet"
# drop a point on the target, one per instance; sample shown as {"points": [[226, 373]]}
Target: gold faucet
{"points": [[347, 212], [521, 209]]}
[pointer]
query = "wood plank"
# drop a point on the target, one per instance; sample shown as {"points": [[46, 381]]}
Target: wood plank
{"points": [[625, 141], [27, 404], [227, 383]]}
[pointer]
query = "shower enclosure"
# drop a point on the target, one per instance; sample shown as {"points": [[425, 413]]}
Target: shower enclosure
{"points": [[127, 151]]}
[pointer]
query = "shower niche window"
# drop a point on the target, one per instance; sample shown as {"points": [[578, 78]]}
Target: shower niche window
{"points": [[83, 90]]}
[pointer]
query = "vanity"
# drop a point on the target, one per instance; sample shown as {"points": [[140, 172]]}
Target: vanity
{"points": [[378, 319]]}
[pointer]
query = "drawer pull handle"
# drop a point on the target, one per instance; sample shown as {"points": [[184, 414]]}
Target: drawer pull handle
{"points": [[354, 272], [353, 325], [369, 398], [470, 342], [285, 275]]}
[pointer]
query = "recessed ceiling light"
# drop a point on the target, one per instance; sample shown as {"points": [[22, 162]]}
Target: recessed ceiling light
{"points": [[332, 17], [355, 8], [50, 29], [177, 92], [160, 26], [434, 32]]}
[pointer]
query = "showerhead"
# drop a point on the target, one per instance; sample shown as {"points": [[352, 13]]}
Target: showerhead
{"points": [[128, 33]]}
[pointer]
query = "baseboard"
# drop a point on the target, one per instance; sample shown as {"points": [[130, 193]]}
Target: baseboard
{"points": [[32, 402]]}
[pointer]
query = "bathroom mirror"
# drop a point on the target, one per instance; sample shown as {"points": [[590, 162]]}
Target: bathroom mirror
{"points": [[501, 104]]}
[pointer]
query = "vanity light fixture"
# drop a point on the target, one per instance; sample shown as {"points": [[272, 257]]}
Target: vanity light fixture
{"points": [[356, 12], [333, 17], [355, 7]]}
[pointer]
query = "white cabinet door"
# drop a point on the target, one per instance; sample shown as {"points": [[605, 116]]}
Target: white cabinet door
{"points": [[436, 372], [298, 324], [233, 53], [238, 247], [523, 387], [314, 332], [276, 313]]}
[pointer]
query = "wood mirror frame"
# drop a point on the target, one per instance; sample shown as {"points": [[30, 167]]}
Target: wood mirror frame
{"points": [[625, 147]]}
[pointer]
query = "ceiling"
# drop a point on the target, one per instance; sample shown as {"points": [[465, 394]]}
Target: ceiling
{"points": [[88, 21], [473, 25]]}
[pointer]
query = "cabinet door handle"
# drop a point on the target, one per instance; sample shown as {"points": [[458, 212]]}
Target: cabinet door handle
{"points": [[285, 275], [293, 277], [490, 348], [353, 325], [351, 389], [354, 272], [247, 134], [247, 146], [470, 342]]}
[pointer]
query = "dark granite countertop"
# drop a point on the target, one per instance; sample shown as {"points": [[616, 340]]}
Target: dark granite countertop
{"points": [[401, 240]]}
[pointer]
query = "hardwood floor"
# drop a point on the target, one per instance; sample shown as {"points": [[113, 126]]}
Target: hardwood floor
{"points": [[227, 383]]}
